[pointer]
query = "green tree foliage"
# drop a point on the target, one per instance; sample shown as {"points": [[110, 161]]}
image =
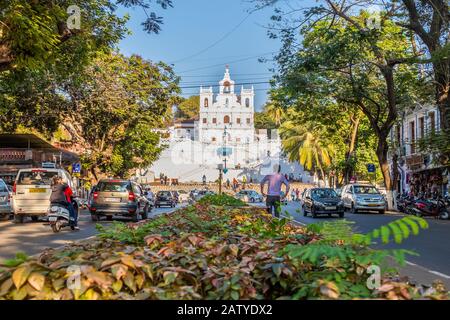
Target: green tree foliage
{"points": [[188, 108], [112, 108], [32, 32]]}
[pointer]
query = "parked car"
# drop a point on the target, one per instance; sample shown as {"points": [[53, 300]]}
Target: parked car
{"points": [[119, 197], [322, 201], [302, 196], [200, 194], [363, 197], [165, 198], [249, 196], [183, 196], [5, 201], [32, 190]]}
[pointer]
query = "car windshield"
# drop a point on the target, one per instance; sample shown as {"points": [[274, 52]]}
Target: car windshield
{"points": [[35, 178], [113, 186], [252, 193], [365, 190], [182, 192], [323, 193], [164, 194]]}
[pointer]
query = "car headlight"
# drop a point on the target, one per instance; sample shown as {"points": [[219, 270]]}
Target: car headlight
{"points": [[319, 204]]}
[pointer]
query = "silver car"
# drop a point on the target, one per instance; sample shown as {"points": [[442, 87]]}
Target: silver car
{"points": [[363, 197], [5, 201]]}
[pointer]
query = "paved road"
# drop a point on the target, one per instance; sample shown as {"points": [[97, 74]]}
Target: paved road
{"points": [[432, 244], [34, 237]]}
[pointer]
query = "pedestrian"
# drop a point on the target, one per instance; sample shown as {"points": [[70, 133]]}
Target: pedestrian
{"points": [[228, 183], [235, 184], [161, 178], [204, 180], [273, 195], [165, 180], [293, 195], [244, 181], [297, 194]]}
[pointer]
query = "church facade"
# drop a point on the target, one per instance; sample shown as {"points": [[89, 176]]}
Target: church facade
{"points": [[223, 135]]}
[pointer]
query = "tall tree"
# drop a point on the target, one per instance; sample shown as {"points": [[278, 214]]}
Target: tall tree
{"points": [[31, 32], [188, 108], [371, 63]]}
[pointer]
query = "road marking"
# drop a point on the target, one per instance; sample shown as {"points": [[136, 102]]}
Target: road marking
{"points": [[439, 274], [410, 263]]}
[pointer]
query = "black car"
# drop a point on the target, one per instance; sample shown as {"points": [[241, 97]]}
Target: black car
{"points": [[322, 201], [165, 198]]}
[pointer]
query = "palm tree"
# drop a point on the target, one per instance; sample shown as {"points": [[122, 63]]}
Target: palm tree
{"points": [[274, 111], [306, 146]]}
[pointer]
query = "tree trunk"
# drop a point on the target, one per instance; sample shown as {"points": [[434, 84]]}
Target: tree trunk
{"points": [[443, 96], [351, 148], [382, 155]]}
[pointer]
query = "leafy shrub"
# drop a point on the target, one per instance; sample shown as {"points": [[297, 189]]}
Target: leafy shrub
{"points": [[221, 200], [209, 252]]}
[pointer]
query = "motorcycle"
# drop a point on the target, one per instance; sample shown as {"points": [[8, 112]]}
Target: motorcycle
{"points": [[404, 203], [59, 217], [432, 208]]}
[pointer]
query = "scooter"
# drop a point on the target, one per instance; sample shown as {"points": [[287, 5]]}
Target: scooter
{"points": [[58, 217], [432, 208]]}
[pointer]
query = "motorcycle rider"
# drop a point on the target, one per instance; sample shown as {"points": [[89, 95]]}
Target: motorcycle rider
{"points": [[61, 194]]}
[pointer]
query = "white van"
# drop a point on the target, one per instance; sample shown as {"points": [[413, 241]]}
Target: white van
{"points": [[32, 190]]}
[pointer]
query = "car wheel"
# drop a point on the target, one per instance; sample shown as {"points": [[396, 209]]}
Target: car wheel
{"points": [[4, 218], [109, 218], [382, 211], [18, 218], [34, 218], [341, 214], [313, 213], [94, 217]]}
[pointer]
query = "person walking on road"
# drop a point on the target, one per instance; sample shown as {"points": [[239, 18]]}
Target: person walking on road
{"points": [[204, 180], [273, 195]]}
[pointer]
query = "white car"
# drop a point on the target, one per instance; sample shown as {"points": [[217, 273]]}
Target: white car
{"points": [[32, 190], [183, 196]]}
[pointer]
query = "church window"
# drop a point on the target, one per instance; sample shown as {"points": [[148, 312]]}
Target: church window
{"points": [[214, 120], [226, 119], [204, 120], [227, 102], [238, 139], [226, 87], [206, 103], [238, 120], [248, 120], [247, 102], [213, 139]]}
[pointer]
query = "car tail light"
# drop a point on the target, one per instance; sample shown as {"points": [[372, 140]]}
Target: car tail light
{"points": [[14, 187], [131, 196], [95, 195]]}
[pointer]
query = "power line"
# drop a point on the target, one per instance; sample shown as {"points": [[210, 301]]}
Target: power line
{"points": [[216, 42], [236, 84], [221, 64], [234, 75], [214, 82]]}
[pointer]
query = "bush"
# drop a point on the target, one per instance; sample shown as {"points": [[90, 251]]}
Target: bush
{"points": [[222, 200], [210, 252]]}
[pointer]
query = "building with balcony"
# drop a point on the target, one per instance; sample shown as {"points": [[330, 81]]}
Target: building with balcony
{"points": [[418, 171]]}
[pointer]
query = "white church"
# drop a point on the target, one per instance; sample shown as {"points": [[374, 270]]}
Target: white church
{"points": [[223, 136]]}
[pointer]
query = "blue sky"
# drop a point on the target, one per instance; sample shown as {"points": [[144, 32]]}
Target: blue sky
{"points": [[194, 25]]}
